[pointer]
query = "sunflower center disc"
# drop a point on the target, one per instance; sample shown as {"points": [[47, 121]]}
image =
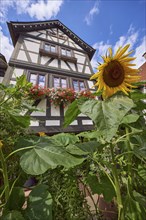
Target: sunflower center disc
{"points": [[113, 74]]}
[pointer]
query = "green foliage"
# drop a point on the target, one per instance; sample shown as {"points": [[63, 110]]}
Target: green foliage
{"points": [[13, 215], [39, 204], [16, 199], [109, 161], [68, 201], [46, 153]]}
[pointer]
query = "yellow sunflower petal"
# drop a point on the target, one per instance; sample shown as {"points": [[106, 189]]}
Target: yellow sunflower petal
{"points": [[110, 52], [122, 51]]}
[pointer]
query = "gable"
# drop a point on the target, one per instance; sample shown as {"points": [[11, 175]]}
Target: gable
{"points": [[56, 36], [17, 28]]}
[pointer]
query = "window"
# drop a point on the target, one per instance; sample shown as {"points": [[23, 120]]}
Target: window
{"points": [[78, 85], [56, 51], [37, 79], [60, 82], [66, 52], [50, 48]]}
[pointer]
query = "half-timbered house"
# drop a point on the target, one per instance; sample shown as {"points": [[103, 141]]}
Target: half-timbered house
{"points": [[50, 55]]}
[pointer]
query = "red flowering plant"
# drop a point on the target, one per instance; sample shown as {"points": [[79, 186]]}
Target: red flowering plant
{"points": [[63, 96], [86, 94], [37, 92], [58, 96]]}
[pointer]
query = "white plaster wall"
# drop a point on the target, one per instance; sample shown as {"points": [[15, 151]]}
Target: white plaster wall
{"points": [[42, 31], [80, 67], [71, 44], [34, 123], [35, 33], [22, 56], [74, 122], [12, 82], [87, 70], [54, 63], [34, 40], [22, 47], [1, 79], [61, 41], [54, 39], [52, 123], [34, 57], [32, 46], [55, 111], [72, 65], [41, 106], [63, 65], [49, 38], [79, 53], [43, 36], [44, 60], [80, 59], [87, 122], [17, 72]]}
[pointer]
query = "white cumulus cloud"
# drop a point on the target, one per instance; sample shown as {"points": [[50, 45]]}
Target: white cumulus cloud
{"points": [[139, 51], [45, 9], [6, 47], [131, 37], [92, 12]]}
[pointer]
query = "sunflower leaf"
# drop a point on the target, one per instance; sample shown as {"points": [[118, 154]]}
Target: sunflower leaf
{"points": [[107, 115], [46, 153]]}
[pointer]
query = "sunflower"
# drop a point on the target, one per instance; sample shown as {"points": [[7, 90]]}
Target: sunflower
{"points": [[116, 74]]}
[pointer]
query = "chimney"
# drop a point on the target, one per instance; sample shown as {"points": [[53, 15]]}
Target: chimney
{"points": [[144, 55]]}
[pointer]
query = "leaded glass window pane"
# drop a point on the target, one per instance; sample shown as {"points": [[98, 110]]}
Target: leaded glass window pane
{"points": [[63, 83], [56, 82], [75, 85], [41, 80], [33, 78]]}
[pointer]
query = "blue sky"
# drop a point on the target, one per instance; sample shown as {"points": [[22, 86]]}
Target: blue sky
{"points": [[100, 23]]}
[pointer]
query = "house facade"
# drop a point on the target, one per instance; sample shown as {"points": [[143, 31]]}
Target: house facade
{"points": [[51, 56]]}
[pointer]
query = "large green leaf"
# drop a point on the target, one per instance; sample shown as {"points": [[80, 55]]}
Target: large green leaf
{"points": [[107, 115], [18, 119], [13, 215], [104, 187], [39, 205], [84, 148], [65, 138], [46, 153], [133, 209], [16, 199], [71, 113], [130, 118]]}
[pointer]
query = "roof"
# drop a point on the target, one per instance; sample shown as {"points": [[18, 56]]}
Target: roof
{"points": [[17, 28]]}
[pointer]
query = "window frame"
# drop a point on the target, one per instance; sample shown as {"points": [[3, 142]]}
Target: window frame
{"points": [[44, 52], [80, 80], [37, 78], [60, 77], [58, 52]]}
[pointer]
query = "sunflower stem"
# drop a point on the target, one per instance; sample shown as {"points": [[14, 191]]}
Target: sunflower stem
{"points": [[5, 176], [117, 185]]}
